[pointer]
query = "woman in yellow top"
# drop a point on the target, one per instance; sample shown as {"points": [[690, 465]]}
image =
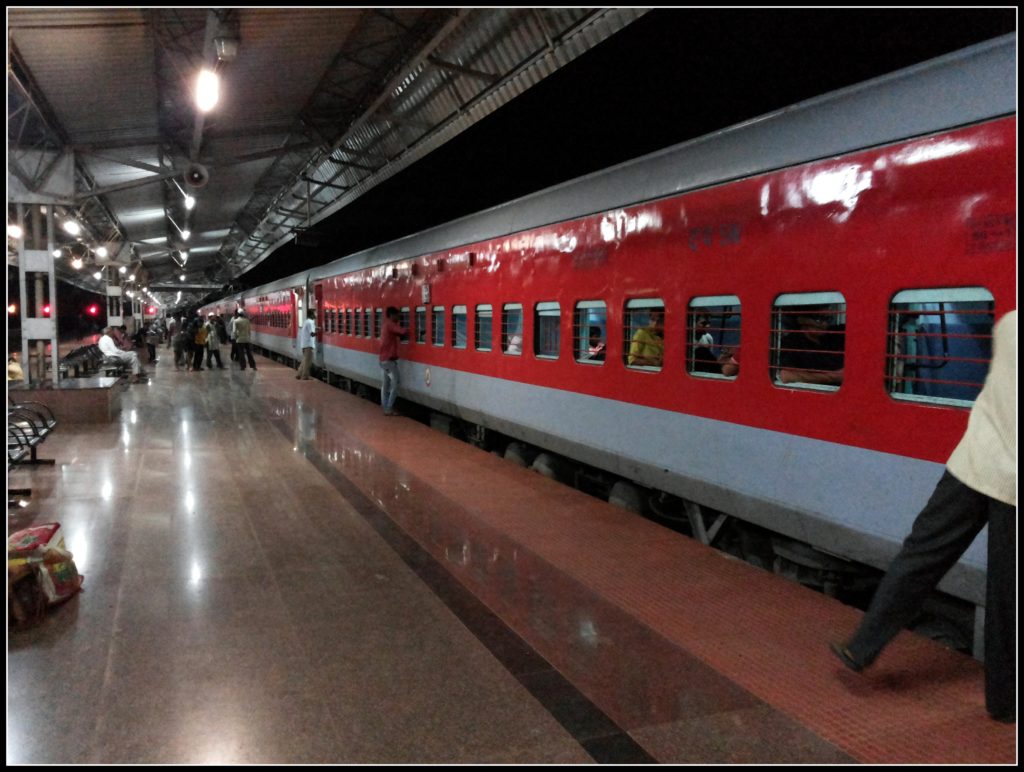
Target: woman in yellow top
{"points": [[648, 345]]}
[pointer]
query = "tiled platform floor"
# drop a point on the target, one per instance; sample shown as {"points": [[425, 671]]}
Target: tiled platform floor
{"points": [[247, 599]]}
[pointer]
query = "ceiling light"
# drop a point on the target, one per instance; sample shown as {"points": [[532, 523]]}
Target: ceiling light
{"points": [[77, 263], [101, 251], [207, 90], [227, 49], [71, 227], [132, 277], [122, 270], [183, 277], [186, 233], [98, 275], [57, 253], [189, 202], [14, 231]]}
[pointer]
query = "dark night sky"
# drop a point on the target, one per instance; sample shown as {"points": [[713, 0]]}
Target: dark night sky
{"points": [[668, 77]]}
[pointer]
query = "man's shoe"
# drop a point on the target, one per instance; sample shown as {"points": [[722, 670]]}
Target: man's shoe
{"points": [[845, 656]]}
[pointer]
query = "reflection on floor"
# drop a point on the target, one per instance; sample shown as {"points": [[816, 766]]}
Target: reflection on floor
{"points": [[276, 573]]}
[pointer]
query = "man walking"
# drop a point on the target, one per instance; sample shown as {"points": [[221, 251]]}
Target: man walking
{"points": [[978, 488]]}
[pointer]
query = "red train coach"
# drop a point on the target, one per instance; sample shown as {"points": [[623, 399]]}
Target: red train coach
{"points": [[783, 323]]}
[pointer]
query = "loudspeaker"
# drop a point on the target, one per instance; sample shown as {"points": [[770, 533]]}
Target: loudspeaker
{"points": [[196, 176]]}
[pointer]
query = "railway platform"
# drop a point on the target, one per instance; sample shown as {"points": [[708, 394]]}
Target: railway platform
{"points": [[275, 572]]}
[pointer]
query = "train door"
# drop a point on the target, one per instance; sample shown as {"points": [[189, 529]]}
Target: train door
{"points": [[318, 311]]}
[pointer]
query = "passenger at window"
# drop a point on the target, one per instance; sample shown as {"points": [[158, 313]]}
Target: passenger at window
{"points": [[595, 345], [704, 360], [729, 361], [648, 345], [515, 344], [703, 333], [814, 354]]}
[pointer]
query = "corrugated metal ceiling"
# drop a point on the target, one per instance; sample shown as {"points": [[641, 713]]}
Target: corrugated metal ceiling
{"points": [[344, 96]]}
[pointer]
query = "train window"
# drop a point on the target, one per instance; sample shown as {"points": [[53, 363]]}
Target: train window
{"points": [[367, 321], [403, 321], [809, 340], [437, 326], [378, 321], [547, 318], [482, 328], [348, 321], [512, 328], [939, 345], [459, 320], [358, 328], [644, 334], [590, 331], [713, 336], [421, 324]]}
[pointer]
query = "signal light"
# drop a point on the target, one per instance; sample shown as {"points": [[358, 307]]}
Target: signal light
{"points": [[93, 310], [46, 310], [12, 309]]}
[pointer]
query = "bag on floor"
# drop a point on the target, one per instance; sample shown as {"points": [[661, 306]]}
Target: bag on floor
{"points": [[42, 549]]}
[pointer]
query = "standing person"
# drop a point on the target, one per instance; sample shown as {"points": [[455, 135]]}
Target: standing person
{"points": [[180, 344], [979, 487], [213, 343], [198, 328], [307, 333], [242, 336], [172, 328], [152, 338], [231, 335], [389, 339]]}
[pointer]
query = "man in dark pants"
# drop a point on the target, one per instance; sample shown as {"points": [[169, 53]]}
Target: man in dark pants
{"points": [[979, 487]]}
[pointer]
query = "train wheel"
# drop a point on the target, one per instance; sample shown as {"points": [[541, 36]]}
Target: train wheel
{"points": [[519, 454], [627, 496], [549, 466]]}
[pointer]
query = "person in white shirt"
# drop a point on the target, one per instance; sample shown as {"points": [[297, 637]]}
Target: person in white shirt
{"points": [[307, 332], [978, 488], [110, 349]]}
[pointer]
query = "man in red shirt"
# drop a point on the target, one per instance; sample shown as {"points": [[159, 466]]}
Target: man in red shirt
{"points": [[389, 340]]}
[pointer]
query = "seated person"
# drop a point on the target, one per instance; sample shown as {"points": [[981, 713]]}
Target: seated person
{"points": [[813, 354], [648, 345], [729, 361], [595, 348], [704, 360], [14, 371], [515, 344], [110, 349]]}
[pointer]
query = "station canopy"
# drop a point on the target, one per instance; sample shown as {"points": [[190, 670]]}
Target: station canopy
{"points": [[316, 106]]}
